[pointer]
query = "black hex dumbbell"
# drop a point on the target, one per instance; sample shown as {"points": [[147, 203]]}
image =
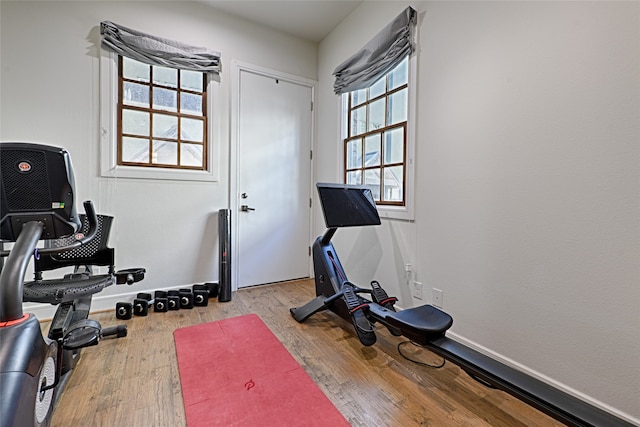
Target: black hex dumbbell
{"points": [[142, 303], [214, 288], [200, 295], [186, 298], [161, 302], [173, 298], [124, 310]]}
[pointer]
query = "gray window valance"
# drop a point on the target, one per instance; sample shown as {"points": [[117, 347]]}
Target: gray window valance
{"points": [[383, 52], [158, 51]]}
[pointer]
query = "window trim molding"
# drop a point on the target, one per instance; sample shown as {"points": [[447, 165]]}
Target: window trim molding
{"points": [[405, 212], [109, 131]]}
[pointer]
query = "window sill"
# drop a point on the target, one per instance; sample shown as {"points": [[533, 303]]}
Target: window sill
{"points": [[158, 174]]}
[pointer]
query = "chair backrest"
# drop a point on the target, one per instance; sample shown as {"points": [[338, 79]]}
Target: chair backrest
{"points": [[36, 184], [95, 252]]}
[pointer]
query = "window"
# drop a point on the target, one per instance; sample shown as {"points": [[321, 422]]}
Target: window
{"points": [[157, 122], [162, 116], [376, 143]]}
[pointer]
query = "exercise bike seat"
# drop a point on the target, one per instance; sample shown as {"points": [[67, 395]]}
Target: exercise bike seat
{"points": [[69, 288], [420, 324], [74, 285]]}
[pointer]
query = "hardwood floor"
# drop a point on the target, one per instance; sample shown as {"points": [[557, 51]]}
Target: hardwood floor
{"points": [[134, 381]]}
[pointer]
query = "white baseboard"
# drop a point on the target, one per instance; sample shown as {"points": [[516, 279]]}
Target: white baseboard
{"points": [[539, 376]]}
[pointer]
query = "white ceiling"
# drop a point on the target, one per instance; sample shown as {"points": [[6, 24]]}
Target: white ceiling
{"points": [[309, 19]]}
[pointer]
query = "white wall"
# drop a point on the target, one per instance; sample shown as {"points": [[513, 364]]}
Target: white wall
{"points": [[528, 183], [50, 94]]}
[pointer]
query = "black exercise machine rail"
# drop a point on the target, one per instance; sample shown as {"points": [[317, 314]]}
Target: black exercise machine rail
{"points": [[556, 403]]}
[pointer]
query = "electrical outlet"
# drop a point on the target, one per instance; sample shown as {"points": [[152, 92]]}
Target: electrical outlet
{"points": [[436, 297], [417, 290]]}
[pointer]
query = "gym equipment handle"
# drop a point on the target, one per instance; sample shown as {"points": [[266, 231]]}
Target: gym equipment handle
{"points": [[93, 229]]}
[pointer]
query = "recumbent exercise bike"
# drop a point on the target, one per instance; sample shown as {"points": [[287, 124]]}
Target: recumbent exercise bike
{"points": [[37, 203], [351, 206]]}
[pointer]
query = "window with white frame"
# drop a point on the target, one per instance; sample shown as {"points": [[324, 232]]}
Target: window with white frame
{"points": [[375, 147]]}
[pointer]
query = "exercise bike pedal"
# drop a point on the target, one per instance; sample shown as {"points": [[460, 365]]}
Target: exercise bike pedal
{"points": [[85, 333]]}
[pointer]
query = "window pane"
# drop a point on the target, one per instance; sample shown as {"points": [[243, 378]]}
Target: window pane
{"points": [[134, 70], [191, 80], [165, 76], [376, 115], [135, 122], [399, 75], [190, 104], [354, 177], [398, 107], [190, 155], [192, 130], [393, 184], [135, 150], [394, 146], [359, 121], [135, 94], [358, 97], [165, 152], [378, 88], [372, 150], [164, 99], [372, 181], [354, 154], [165, 126]]}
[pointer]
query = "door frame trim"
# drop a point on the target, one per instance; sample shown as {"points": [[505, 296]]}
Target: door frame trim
{"points": [[234, 151]]}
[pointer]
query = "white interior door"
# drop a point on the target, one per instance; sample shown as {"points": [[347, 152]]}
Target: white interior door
{"points": [[274, 128]]}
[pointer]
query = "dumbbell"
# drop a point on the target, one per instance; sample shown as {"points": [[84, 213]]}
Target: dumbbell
{"points": [[124, 310], [214, 288], [142, 303], [173, 299], [200, 295], [161, 302], [186, 298]]}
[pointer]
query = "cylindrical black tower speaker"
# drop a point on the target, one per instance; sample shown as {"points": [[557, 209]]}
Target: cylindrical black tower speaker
{"points": [[224, 267]]}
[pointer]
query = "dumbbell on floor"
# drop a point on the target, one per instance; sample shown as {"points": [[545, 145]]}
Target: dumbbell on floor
{"points": [[200, 295], [161, 303], [186, 298], [124, 310], [173, 299], [142, 303]]}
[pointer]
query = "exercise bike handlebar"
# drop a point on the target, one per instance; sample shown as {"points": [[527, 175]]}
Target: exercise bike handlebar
{"points": [[81, 239], [92, 219], [13, 272]]}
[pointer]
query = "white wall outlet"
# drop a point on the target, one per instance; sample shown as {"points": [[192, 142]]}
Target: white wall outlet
{"points": [[436, 297], [417, 290]]}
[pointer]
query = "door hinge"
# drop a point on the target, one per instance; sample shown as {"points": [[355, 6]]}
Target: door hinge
{"points": [[310, 202], [311, 105], [309, 250], [310, 154]]}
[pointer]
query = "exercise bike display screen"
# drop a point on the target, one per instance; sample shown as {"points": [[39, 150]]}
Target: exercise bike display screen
{"points": [[347, 205]]}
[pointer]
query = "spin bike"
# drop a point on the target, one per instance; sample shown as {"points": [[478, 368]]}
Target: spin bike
{"points": [[37, 203], [426, 325]]}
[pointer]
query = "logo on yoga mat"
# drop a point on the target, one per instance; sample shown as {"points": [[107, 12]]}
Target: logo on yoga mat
{"points": [[249, 385]]}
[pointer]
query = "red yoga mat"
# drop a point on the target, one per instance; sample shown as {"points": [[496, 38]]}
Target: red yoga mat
{"points": [[235, 372]]}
